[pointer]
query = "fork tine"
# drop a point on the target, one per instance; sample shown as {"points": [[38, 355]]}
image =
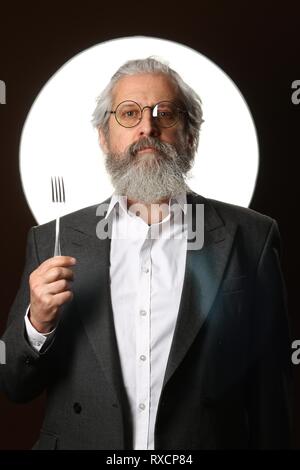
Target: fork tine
{"points": [[63, 190], [56, 190], [58, 196], [52, 189], [59, 188], [54, 181]]}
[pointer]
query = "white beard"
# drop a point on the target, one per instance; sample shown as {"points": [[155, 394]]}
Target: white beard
{"points": [[149, 177]]}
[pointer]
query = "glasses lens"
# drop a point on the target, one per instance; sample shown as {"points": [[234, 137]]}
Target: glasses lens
{"points": [[166, 113], [128, 113]]}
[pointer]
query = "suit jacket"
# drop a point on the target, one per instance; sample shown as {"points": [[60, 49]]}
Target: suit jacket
{"points": [[227, 379]]}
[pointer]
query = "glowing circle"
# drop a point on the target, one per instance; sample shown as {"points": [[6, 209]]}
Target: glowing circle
{"points": [[59, 140]]}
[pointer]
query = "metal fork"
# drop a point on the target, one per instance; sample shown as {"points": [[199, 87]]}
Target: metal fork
{"points": [[58, 196]]}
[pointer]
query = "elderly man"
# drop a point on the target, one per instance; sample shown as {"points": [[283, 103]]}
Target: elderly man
{"points": [[143, 341]]}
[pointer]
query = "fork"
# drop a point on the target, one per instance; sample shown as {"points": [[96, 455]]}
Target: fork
{"points": [[58, 196]]}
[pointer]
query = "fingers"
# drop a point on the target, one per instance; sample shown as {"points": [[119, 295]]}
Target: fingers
{"points": [[57, 287], [54, 269], [50, 288], [57, 273], [53, 276], [62, 297], [56, 261]]}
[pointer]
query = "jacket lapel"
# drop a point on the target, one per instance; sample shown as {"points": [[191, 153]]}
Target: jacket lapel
{"points": [[203, 274], [92, 297]]}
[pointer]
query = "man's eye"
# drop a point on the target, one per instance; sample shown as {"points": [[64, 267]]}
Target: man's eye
{"points": [[165, 114], [127, 114]]}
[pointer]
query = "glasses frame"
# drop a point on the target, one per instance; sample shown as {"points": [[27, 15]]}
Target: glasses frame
{"points": [[180, 111]]}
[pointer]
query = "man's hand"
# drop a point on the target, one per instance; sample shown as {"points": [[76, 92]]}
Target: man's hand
{"points": [[49, 289]]}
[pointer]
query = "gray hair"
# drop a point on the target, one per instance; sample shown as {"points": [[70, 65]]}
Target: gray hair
{"points": [[190, 99]]}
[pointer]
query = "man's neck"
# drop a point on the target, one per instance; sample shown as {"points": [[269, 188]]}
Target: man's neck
{"points": [[151, 213]]}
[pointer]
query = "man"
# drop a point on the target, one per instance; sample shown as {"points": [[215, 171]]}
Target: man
{"points": [[143, 341]]}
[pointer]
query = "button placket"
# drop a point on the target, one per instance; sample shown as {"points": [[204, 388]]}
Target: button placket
{"points": [[143, 346]]}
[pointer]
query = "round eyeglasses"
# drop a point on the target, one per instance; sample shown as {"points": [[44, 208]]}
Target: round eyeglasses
{"points": [[129, 113]]}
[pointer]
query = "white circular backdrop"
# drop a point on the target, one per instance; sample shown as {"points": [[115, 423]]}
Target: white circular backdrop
{"points": [[59, 140]]}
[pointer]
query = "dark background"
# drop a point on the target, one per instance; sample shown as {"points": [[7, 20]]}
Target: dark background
{"points": [[255, 43]]}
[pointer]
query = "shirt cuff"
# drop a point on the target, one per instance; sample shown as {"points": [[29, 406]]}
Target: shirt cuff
{"points": [[36, 339]]}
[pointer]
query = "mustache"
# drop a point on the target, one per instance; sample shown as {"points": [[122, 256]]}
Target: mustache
{"points": [[161, 148]]}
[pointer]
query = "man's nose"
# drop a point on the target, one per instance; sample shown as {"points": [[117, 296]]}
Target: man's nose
{"points": [[148, 125]]}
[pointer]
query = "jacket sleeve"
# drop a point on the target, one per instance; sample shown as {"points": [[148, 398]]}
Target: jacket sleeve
{"points": [[24, 375], [269, 386]]}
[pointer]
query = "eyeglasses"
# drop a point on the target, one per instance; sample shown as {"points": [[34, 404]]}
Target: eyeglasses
{"points": [[129, 113]]}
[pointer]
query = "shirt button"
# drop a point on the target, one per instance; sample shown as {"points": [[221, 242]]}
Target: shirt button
{"points": [[142, 357], [142, 406], [143, 313], [77, 408], [145, 270]]}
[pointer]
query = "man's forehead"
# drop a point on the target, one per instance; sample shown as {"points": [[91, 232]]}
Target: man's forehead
{"points": [[145, 87]]}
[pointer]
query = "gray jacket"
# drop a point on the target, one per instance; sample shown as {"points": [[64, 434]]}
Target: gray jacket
{"points": [[227, 379]]}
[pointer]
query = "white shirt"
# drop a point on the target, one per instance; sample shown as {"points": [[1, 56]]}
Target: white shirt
{"points": [[147, 268]]}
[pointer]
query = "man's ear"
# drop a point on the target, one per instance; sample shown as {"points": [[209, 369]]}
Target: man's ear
{"points": [[102, 140]]}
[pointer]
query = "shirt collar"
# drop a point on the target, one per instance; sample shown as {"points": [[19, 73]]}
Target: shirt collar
{"points": [[121, 201]]}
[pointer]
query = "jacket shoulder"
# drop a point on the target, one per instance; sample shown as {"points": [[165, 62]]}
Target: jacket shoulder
{"points": [[254, 229], [254, 225], [239, 214]]}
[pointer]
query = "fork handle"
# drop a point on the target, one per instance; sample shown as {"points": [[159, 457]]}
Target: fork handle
{"points": [[57, 251]]}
